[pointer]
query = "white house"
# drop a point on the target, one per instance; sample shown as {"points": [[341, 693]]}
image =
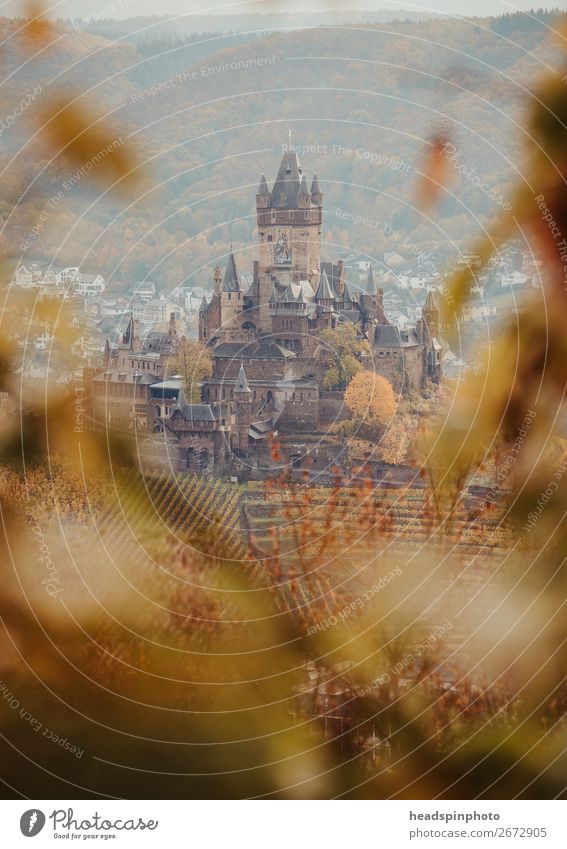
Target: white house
{"points": [[88, 285]]}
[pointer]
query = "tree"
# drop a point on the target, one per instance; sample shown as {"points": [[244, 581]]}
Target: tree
{"points": [[370, 398], [397, 441], [343, 350], [194, 363]]}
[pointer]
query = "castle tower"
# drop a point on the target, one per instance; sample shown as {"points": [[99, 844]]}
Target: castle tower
{"points": [[428, 330], [243, 409], [231, 295], [430, 315], [316, 193], [172, 331], [290, 223], [226, 305], [131, 338]]}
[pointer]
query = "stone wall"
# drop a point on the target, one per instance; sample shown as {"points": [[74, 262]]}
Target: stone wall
{"points": [[332, 408]]}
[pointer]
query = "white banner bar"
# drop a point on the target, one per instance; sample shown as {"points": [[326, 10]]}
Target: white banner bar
{"points": [[281, 824]]}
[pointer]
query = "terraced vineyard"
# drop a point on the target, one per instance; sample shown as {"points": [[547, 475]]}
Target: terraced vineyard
{"points": [[373, 525], [188, 508]]}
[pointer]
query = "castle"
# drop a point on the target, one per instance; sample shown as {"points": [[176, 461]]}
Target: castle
{"points": [[268, 358]]}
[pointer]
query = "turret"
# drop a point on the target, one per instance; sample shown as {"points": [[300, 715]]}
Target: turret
{"points": [[325, 295], [316, 193], [218, 280], [231, 280], [243, 411], [430, 313], [304, 197], [172, 329], [263, 198]]}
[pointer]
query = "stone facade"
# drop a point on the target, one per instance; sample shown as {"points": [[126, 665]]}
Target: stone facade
{"points": [[266, 348]]}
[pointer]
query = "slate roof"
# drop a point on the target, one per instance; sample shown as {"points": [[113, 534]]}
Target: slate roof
{"points": [[325, 291], [231, 281], [125, 377], [285, 193], [263, 188], [241, 381], [431, 302], [197, 412], [332, 272], [388, 336], [258, 350], [315, 190]]}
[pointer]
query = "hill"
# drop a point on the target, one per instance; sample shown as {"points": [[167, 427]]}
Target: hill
{"points": [[363, 101]]}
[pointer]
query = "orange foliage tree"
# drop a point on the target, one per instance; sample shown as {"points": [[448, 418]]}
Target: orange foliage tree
{"points": [[370, 398]]}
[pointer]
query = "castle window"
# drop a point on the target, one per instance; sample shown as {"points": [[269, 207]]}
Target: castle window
{"points": [[270, 238], [229, 296]]}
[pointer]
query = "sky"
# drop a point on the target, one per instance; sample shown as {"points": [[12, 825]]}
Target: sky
{"points": [[131, 8]]}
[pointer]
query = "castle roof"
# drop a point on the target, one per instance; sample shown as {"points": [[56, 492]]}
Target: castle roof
{"points": [[431, 302], [256, 350], [388, 336], [231, 281], [347, 297], [325, 291], [241, 382], [303, 188], [196, 412], [315, 190], [285, 194], [263, 188]]}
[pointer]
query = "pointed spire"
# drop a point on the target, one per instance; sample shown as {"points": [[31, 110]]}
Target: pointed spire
{"points": [[273, 295], [303, 188], [325, 291], [241, 381], [263, 189], [231, 282], [315, 190], [204, 304], [347, 297], [286, 188], [431, 302], [107, 348], [370, 284], [181, 402]]}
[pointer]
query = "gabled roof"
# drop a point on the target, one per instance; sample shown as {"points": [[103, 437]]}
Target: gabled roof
{"points": [[286, 189], [241, 381], [388, 336], [257, 350], [196, 412], [325, 291], [231, 281]]}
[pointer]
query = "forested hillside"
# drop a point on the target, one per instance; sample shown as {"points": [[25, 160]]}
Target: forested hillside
{"points": [[209, 114]]}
